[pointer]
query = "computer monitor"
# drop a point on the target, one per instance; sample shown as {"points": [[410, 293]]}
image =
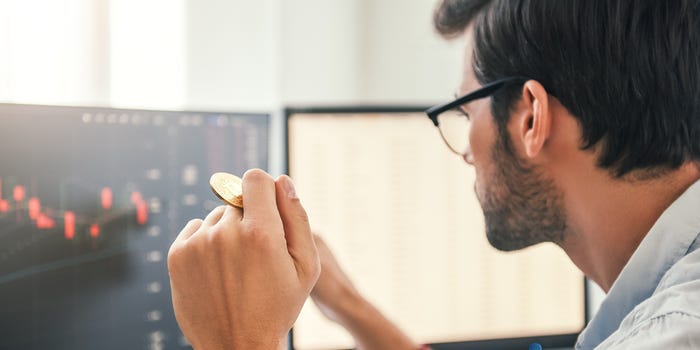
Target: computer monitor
{"points": [[90, 201], [398, 210]]}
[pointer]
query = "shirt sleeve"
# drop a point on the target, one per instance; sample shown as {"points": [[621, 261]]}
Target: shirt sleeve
{"points": [[676, 330]]}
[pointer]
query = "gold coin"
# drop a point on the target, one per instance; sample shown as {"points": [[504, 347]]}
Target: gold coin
{"points": [[228, 187]]}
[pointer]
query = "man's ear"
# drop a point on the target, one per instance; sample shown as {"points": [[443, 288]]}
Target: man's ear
{"points": [[535, 119]]}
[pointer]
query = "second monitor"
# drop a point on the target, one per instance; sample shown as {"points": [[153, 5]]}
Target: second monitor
{"points": [[399, 211]]}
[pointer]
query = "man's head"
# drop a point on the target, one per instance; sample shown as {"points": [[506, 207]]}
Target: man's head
{"points": [[627, 72]]}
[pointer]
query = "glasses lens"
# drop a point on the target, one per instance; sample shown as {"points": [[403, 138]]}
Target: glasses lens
{"points": [[454, 127]]}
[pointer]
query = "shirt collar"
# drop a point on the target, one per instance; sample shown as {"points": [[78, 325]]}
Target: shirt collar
{"points": [[667, 242]]}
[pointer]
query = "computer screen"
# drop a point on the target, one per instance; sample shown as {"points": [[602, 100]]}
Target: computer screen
{"points": [[90, 201], [398, 210]]}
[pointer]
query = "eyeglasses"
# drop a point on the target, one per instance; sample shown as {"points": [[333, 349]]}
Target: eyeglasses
{"points": [[454, 123]]}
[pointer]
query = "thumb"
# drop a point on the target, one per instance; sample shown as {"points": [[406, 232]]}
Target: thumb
{"points": [[300, 241]]}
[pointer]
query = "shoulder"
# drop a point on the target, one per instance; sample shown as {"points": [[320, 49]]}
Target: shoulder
{"points": [[670, 318], [672, 330]]}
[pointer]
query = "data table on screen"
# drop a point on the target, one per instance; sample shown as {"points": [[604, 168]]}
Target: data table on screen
{"points": [[399, 211]]}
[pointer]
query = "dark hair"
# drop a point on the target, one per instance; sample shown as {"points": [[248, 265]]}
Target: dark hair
{"points": [[628, 70]]}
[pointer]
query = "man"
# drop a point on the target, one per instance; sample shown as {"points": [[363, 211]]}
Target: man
{"points": [[585, 132]]}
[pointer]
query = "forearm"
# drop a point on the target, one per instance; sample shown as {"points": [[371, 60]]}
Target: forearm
{"points": [[371, 330], [338, 300]]}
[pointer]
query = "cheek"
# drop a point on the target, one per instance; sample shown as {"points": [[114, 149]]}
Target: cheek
{"points": [[475, 157], [480, 139]]}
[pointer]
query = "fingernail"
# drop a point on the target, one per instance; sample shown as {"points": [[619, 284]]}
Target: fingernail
{"points": [[289, 187]]}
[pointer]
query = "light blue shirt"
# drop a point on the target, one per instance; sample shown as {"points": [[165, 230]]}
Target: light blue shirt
{"points": [[655, 302]]}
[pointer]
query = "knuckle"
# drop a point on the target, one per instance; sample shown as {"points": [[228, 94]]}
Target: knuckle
{"points": [[214, 211], [217, 242], [217, 236], [255, 233], [175, 257], [193, 222], [253, 229]]}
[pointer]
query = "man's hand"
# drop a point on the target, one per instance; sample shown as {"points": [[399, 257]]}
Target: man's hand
{"points": [[240, 278]]}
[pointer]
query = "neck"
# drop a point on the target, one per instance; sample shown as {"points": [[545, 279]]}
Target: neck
{"points": [[608, 218]]}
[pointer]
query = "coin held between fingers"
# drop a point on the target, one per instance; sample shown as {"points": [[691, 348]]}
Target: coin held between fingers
{"points": [[228, 187]]}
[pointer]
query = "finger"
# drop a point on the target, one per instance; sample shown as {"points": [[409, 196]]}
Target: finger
{"points": [[259, 196], [232, 214], [300, 241], [190, 228], [214, 216]]}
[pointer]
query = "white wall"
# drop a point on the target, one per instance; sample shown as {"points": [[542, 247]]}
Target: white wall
{"points": [[274, 52], [404, 60], [223, 54], [148, 54], [320, 53], [51, 51], [232, 54]]}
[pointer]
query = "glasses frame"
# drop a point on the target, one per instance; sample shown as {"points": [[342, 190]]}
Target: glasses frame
{"points": [[485, 91]]}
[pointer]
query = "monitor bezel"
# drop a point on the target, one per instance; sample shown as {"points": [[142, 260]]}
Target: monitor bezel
{"points": [[546, 340], [24, 107]]}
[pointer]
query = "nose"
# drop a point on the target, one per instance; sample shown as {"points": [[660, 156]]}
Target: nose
{"points": [[467, 156]]}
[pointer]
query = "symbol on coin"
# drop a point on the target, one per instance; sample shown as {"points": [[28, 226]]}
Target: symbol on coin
{"points": [[228, 187]]}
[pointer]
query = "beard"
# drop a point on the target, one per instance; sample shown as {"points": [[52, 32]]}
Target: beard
{"points": [[522, 207]]}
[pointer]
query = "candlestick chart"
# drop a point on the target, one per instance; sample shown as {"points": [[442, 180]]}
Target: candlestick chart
{"points": [[90, 201]]}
